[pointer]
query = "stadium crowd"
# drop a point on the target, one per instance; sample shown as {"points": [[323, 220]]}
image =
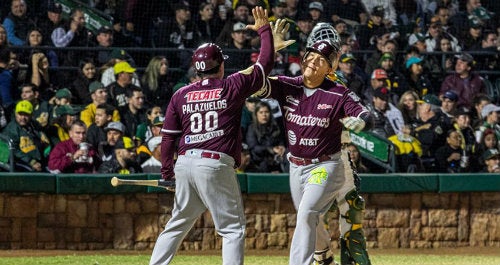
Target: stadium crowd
{"points": [[427, 70]]}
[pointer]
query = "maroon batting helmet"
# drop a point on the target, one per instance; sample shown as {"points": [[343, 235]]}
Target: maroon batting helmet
{"points": [[325, 48], [207, 57]]}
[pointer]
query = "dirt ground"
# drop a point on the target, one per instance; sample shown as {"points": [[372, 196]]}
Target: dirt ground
{"points": [[482, 251]]}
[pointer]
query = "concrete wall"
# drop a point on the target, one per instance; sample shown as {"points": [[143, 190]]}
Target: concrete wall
{"points": [[133, 221]]}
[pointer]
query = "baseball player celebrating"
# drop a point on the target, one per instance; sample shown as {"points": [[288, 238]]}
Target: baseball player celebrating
{"points": [[315, 110], [206, 116]]}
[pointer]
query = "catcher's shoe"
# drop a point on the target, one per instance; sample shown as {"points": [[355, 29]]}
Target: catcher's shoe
{"points": [[328, 261]]}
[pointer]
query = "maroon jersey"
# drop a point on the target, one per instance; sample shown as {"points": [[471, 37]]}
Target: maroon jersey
{"points": [[312, 123], [207, 114]]}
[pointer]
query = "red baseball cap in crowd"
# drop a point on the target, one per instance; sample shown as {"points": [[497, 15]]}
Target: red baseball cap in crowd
{"points": [[379, 74]]}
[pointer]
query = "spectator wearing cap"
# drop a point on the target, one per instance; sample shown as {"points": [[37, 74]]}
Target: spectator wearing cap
{"points": [[435, 32], [472, 38], [124, 74], [116, 56], [247, 113], [463, 126], [51, 21], [354, 82], [374, 31], [491, 160], [431, 129], [463, 82], [385, 9], [62, 97], [68, 156], [417, 79], [143, 152], [104, 39], [449, 155], [397, 81], [80, 86], [378, 79], [384, 45], [115, 131], [241, 13], [103, 116], [418, 40], [317, 11], [59, 127], [459, 22], [124, 159], [99, 95], [153, 164], [490, 121], [178, 31], [28, 141], [449, 103], [352, 12], [17, 23], [40, 115], [146, 129], [238, 58], [387, 119]]}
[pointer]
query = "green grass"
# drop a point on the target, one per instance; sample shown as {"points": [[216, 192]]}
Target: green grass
{"points": [[406, 257]]}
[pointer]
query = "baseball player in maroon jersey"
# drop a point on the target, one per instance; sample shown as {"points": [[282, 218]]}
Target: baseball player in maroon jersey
{"points": [[205, 117], [315, 110]]}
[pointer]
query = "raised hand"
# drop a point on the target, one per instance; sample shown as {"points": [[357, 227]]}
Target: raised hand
{"points": [[261, 18], [280, 30]]}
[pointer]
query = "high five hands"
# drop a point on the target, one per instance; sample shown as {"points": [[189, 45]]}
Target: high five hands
{"points": [[280, 30], [261, 18]]}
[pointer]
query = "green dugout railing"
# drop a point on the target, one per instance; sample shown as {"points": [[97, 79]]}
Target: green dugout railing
{"points": [[249, 183]]}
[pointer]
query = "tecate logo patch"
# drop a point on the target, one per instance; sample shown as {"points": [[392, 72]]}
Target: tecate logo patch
{"points": [[203, 95]]}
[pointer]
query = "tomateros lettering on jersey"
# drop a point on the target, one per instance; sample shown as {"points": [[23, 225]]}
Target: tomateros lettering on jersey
{"points": [[203, 95], [308, 120], [204, 106]]}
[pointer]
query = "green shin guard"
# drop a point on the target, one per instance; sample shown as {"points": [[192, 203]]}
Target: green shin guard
{"points": [[355, 249], [353, 243]]}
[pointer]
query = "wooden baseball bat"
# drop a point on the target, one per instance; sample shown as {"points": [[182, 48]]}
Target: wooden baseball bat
{"points": [[167, 184]]}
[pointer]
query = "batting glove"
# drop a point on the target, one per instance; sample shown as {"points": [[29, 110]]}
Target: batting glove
{"points": [[353, 123]]}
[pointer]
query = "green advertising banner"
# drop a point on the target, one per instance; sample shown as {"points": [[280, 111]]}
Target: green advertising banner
{"points": [[94, 18], [371, 145]]}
